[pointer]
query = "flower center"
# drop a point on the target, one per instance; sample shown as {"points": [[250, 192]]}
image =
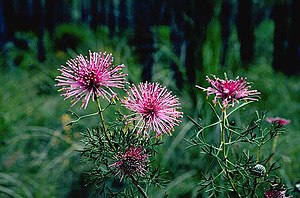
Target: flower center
{"points": [[150, 109], [131, 165], [229, 90], [89, 79], [128, 166]]}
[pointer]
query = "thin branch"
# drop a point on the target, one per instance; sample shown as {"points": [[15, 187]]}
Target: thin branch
{"points": [[141, 190]]}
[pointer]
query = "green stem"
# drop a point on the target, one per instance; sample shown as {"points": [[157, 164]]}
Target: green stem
{"points": [[106, 132], [274, 145], [223, 144], [100, 112], [141, 190], [223, 138], [254, 188], [258, 154], [81, 117]]}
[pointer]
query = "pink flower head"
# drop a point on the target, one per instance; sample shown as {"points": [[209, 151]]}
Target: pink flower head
{"points": [[133, 161], [275, 194], [84, 78], [230, 91], [279, 121], [155, 108]]}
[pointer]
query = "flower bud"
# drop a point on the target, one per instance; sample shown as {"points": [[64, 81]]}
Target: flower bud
{"points": [[258, 170]]}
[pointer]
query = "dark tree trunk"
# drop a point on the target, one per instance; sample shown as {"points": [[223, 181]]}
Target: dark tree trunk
{"points": [[177, 36], [293, 48], [245, 31], [41, 27], [130, 13], [111, 17], [225, 19], [85, 12], [280, 16], [200, 12], [56, 12], [197, 16], [123, 18], [160, 16], [9, 17], [191, 43], [143, 36], [19, 16], [104, 12], [50, 16], [2, 26], [94, 14], [23, 23], [116, 15]]}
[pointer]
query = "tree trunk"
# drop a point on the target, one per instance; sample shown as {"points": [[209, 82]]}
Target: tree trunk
{"points": [[85, 12], [280, 16], [245, 31], [41, 27], [123, 15], [50, 20], [177, 37], [94, 14], [9, 17], [2, 26], [111, 17], [225, 19], [200, 13], [143, 36], [293, 48]]}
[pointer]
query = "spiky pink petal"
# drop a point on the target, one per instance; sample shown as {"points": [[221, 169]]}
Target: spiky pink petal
{"points": [[86, 78], [154, 107], [279, 121], [230, 91]]}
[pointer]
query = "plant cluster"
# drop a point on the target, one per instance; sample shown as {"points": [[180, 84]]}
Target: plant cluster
{"points": [[125, 147], [234, 171]]}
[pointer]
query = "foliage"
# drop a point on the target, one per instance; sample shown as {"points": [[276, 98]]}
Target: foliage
{"points": [[101, 150], [234, 171], [70, 36]]}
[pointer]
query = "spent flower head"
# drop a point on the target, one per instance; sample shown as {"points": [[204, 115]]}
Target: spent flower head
{"points": [[279, 121], [258, 170], [230, 91], [84, 78], [154, 107], [133, 161], [276, 194]]}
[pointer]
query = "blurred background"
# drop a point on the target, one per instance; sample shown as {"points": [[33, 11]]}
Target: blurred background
{"points": [[174, 42]]}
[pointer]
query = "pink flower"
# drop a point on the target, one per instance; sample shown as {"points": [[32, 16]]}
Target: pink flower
{"points": [[133, 161], [230, 91], [279, 121], [275, 194], [154, 107], [84, 78]]}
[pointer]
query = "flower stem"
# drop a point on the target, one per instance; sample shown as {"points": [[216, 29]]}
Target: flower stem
{"points": [[254, 188], [81, 117], [141, 190], [223, 144], [106, 132], [223, 140], [274, 145], [258, 154]]}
